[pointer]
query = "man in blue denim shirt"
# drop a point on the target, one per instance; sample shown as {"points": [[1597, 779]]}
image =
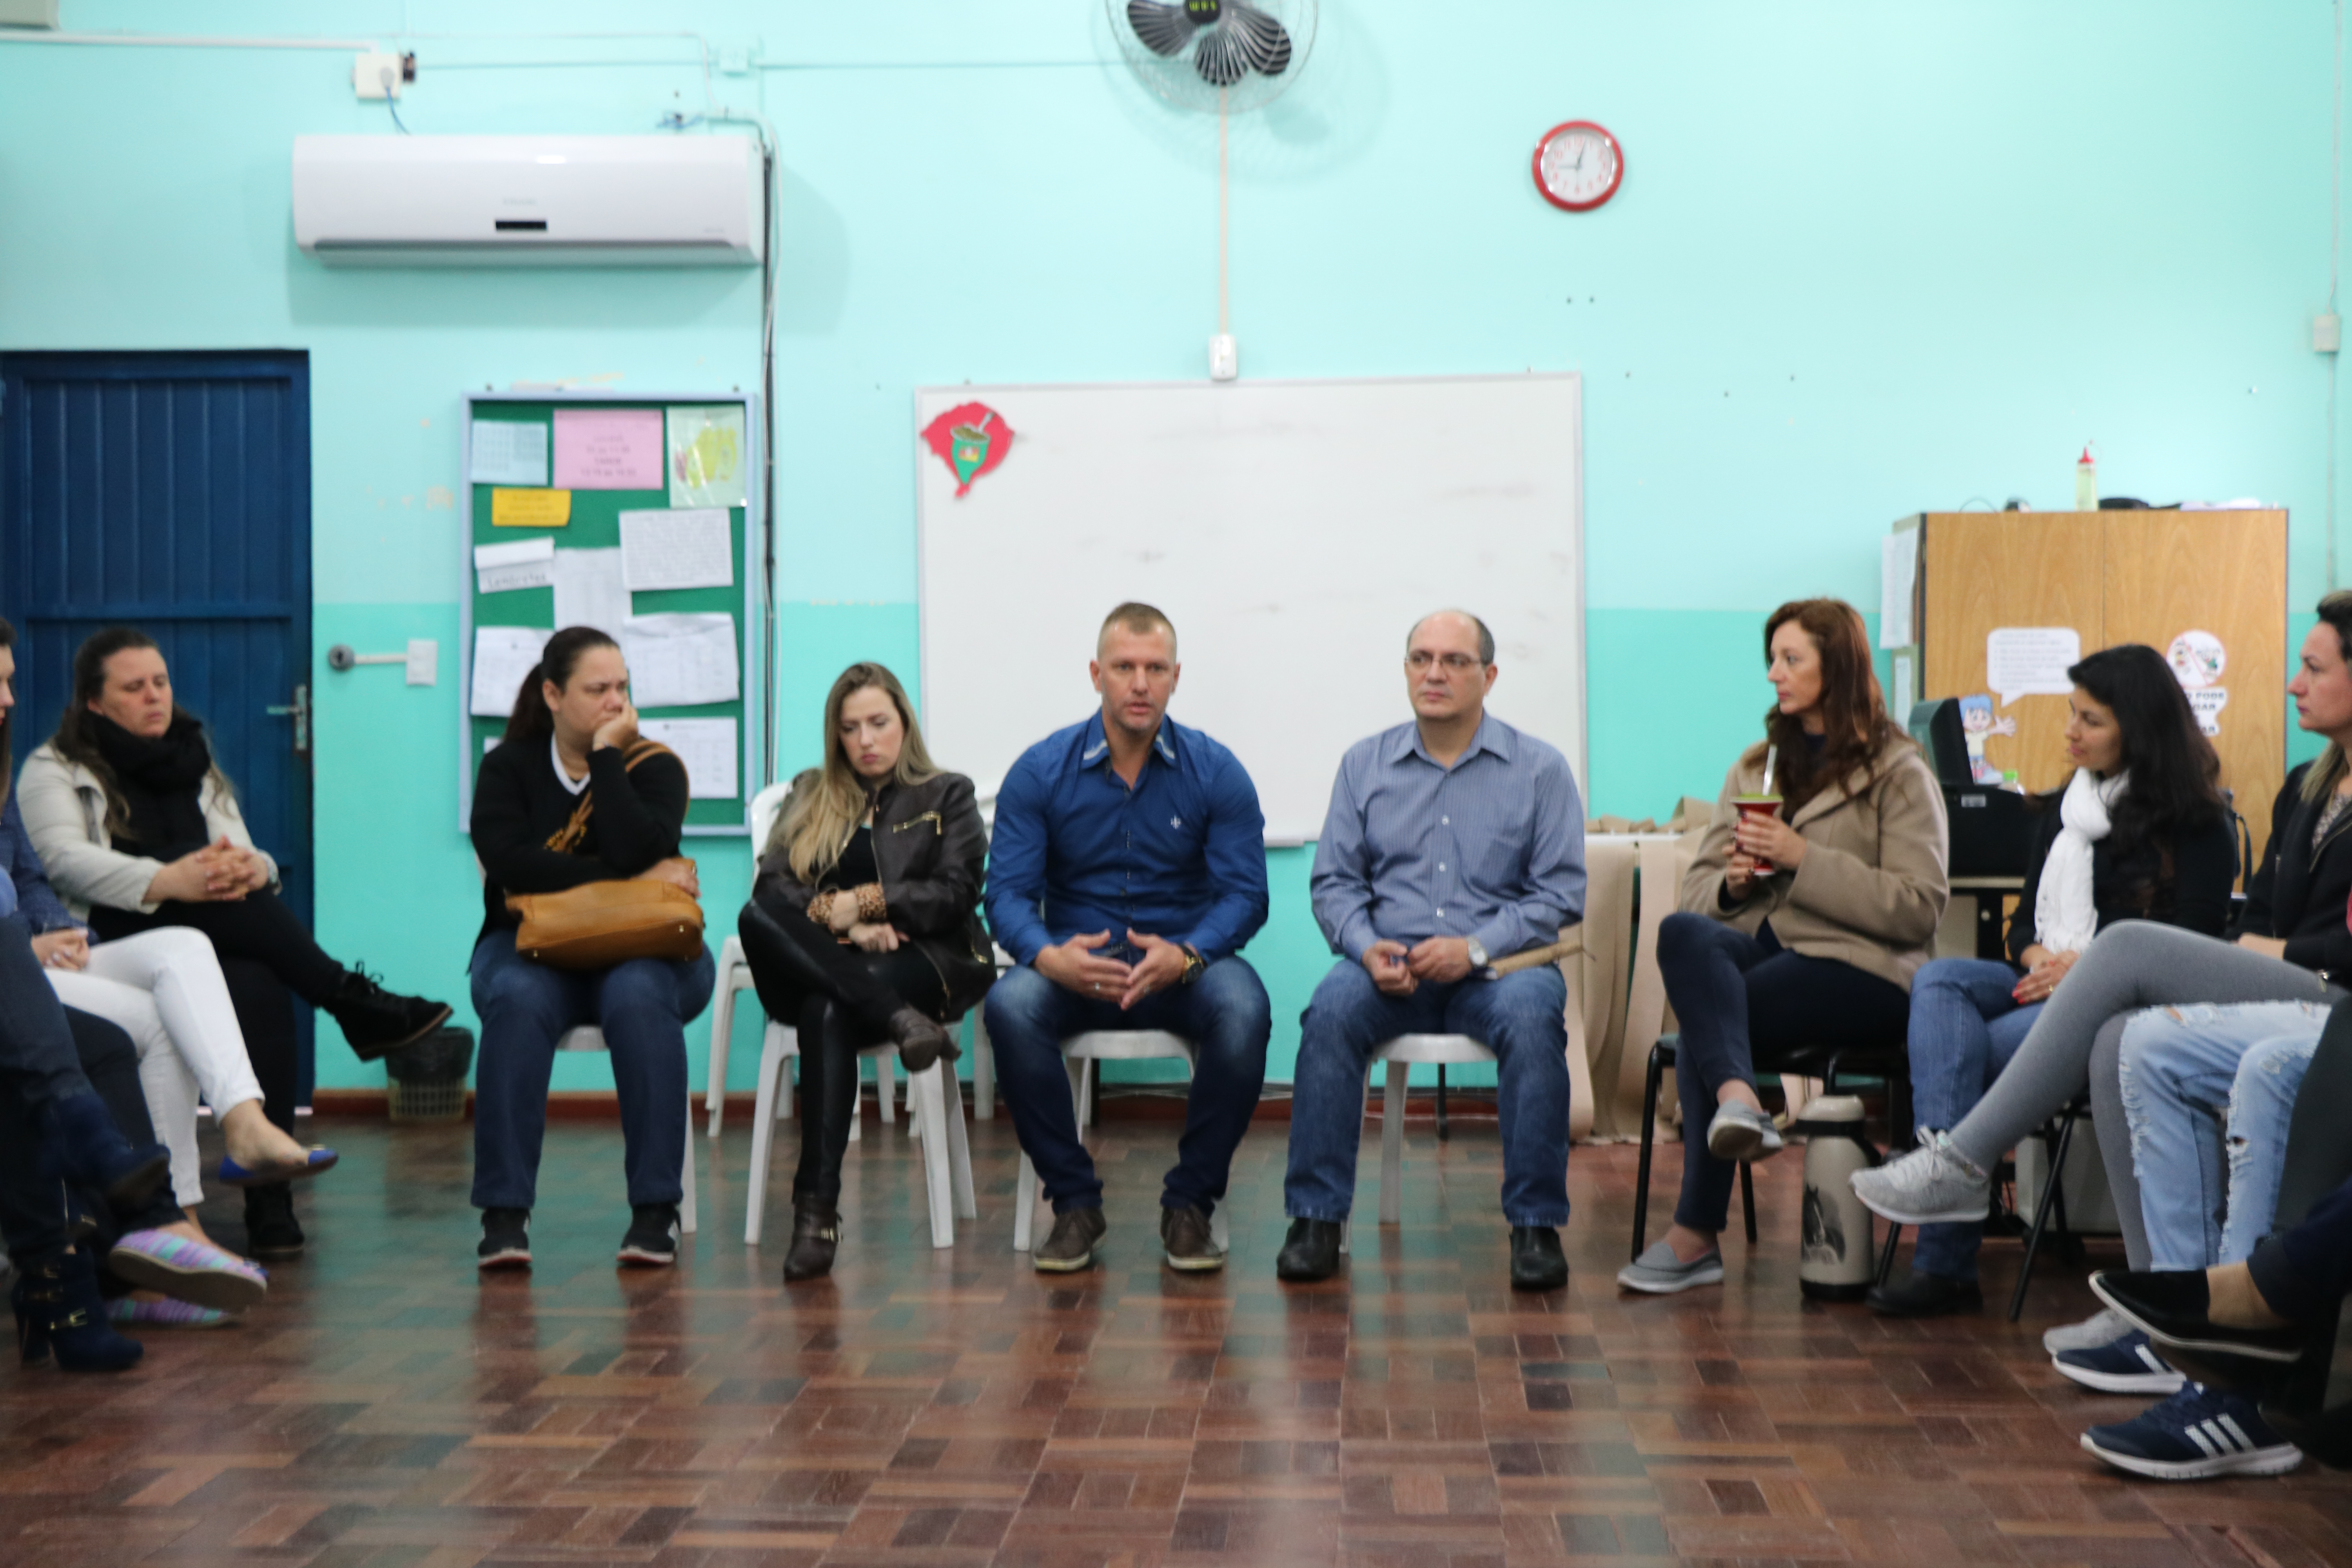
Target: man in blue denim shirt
{"points": [[1452, 842], [1126, 870]]}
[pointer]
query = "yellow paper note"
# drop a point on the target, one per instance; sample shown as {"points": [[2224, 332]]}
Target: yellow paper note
{"points": [[531, 509]]}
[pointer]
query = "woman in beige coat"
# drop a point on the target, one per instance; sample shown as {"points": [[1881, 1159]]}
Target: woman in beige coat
{"points": [[1801, 924]]}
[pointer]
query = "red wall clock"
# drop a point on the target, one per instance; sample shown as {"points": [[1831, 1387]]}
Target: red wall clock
{"points": [[1579, 166]]}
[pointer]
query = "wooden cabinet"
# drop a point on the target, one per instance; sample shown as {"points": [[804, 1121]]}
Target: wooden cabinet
{"points": [[2113, 577]]}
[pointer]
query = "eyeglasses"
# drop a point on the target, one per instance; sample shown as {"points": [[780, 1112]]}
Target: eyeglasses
{"points": [[1419, 660]]}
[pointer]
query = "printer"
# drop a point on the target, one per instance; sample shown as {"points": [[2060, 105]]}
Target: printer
{"points": [[1992, 828]]}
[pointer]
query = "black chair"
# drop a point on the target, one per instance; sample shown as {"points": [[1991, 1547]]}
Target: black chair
{"points": [[1891, 1064]]}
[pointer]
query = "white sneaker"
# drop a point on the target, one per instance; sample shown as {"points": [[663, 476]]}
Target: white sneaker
{"points": [[1742, 1133], [2100, 1328], [1933, 1185]]}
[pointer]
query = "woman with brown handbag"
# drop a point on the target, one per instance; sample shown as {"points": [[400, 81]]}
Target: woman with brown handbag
{"points": [[863, 925], [572, 798]]}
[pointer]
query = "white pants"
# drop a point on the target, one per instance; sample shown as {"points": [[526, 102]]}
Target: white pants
{"points": [[163, 988]]}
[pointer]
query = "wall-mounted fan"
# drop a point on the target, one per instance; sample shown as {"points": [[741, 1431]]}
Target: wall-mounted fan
{"points": [[1216, 56], [1223, 57]]}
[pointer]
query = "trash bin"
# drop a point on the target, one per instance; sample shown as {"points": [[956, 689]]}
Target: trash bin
{"points": [[428, 1078]]}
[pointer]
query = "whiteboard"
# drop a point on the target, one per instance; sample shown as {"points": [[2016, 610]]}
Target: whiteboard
{"points": [[1293, 531]]}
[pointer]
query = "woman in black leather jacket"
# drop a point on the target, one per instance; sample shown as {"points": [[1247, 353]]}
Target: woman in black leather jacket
{"points": [[863, 925]]}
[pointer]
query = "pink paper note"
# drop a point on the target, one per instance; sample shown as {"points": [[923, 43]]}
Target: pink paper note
{"points": [[608, 449]]}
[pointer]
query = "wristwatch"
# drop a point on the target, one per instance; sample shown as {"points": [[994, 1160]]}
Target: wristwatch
{"points": [[1193, 965], [1477, 954]]}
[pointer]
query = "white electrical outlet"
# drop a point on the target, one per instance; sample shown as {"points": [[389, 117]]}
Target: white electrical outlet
{"points": [[375, 76], [2326, 334]]}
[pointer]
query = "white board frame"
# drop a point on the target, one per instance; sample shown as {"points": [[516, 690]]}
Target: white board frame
{"points": [[1578, 751]]}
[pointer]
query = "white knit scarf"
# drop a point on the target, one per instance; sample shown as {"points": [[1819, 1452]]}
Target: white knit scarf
{"points": [[2066, 917]]}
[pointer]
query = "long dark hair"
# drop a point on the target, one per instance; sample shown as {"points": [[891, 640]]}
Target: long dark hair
{"points": [[2175, 787], [531, 720], [77, 737], [1856, 728], [2327, 770]]}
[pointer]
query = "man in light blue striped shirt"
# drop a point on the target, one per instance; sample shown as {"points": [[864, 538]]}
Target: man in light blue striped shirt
{"points": [[1452, 842]]}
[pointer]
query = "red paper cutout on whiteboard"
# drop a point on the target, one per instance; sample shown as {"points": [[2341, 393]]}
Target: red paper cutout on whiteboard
{"points": [[972, 440]]}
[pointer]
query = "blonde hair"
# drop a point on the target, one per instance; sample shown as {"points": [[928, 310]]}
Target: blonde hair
{"points": [[818, 821]]}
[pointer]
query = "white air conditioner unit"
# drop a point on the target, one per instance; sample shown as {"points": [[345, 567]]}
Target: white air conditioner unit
{"points": [[538, 201]]}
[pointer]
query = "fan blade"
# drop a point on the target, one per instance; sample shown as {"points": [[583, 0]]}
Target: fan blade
{"points": [[1263, 41], [1220, 60], [1165, 29]]}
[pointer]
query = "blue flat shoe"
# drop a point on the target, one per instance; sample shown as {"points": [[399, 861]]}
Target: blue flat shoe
{"points": [[233, 1175]]}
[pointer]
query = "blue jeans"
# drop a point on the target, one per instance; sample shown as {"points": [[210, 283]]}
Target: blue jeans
{"points": [[2180, 1071], [1965, 1025], [1742, 998], [1225, 1014], [643, 1006], [1522, 1018]]}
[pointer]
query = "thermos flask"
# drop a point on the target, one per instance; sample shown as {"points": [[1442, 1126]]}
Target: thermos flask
{"points": [[1840, 1256]]}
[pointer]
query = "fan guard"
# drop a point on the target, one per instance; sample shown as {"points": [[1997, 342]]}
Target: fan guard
{"points": [[1213, 56]]}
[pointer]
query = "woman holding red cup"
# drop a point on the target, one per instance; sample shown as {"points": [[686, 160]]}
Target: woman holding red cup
{"points": [[1813, 898]]}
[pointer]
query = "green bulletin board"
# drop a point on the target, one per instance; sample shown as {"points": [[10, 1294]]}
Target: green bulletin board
{"points": [[595, 525]]}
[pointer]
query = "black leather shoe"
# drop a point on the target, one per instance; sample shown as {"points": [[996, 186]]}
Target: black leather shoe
{"points": [[1925, 1296], [816, 1231], [920, 1041], [1536, 1261], [1310, 1252], [271, 1232], [375, 1021]]}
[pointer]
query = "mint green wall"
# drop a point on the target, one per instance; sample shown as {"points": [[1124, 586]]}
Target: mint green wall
{"points": [[1867, 260]]}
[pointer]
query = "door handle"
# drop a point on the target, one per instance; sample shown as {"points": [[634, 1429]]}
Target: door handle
{"points": [[300, 710]]}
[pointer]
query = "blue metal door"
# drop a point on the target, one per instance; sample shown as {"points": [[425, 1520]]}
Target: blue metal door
{"points": [[172, 492]]}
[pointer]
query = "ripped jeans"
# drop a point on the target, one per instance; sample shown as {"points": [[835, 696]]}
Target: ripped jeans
{"points": [[2197, 1079]]}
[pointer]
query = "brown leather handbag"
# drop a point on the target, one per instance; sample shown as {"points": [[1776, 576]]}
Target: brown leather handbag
{"points": [[598, 924]]}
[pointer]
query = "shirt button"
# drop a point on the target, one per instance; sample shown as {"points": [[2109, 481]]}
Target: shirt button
{"points": [[1441, 914], [1441, 865], [1445, 821]]}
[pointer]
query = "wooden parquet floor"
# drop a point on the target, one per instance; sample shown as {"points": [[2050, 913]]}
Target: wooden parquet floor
{"points": [[384, 1408]]}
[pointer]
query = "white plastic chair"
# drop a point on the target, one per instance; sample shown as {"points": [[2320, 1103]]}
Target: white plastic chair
{"points": [[1400, 1054], [588, 1038], [735, 975], [929, 1095], [1079, 1052]]}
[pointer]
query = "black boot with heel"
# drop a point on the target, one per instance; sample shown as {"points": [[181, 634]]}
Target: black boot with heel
{"points": [[375, 1021], [59, 1316], [816, 1231]]}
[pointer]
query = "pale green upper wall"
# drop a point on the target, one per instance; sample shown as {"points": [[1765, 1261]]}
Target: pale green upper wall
{"points": [[1867, 259]]}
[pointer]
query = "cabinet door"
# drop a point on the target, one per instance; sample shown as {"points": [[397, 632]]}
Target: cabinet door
{"points": [[2172, 575], [1983, 571]]}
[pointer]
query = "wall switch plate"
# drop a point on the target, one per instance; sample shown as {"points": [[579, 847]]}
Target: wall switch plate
{"points": [[375, 76], [1225, 357], [424, 661], [2326, 334]]}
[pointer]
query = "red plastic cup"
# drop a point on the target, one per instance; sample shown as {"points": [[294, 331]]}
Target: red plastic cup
{"points": [[1758, 805]]}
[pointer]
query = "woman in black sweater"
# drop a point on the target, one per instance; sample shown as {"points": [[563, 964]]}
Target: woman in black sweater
{"points": [[2138, 833], [864, 926], [573, 795]]}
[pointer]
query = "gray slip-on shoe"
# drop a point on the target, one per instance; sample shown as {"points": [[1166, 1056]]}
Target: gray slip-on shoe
{"points": [[1658, 1272], [1742, 1133]]}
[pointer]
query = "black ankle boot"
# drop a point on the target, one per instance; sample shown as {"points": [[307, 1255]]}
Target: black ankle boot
{"points": [[58, 1312], [271, 1231], [816, 1231], [88, 1150], [920, 1042], [376, 1021]]}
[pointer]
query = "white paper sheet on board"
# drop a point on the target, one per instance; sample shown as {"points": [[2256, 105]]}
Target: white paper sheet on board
{"points": [[1900, 697], [588, 591], [508, 452], [2031, 661], [1898, 565], [525, 563], [693, 548], [705, 448], [503, 657], [707, 747], [681, 661]]}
